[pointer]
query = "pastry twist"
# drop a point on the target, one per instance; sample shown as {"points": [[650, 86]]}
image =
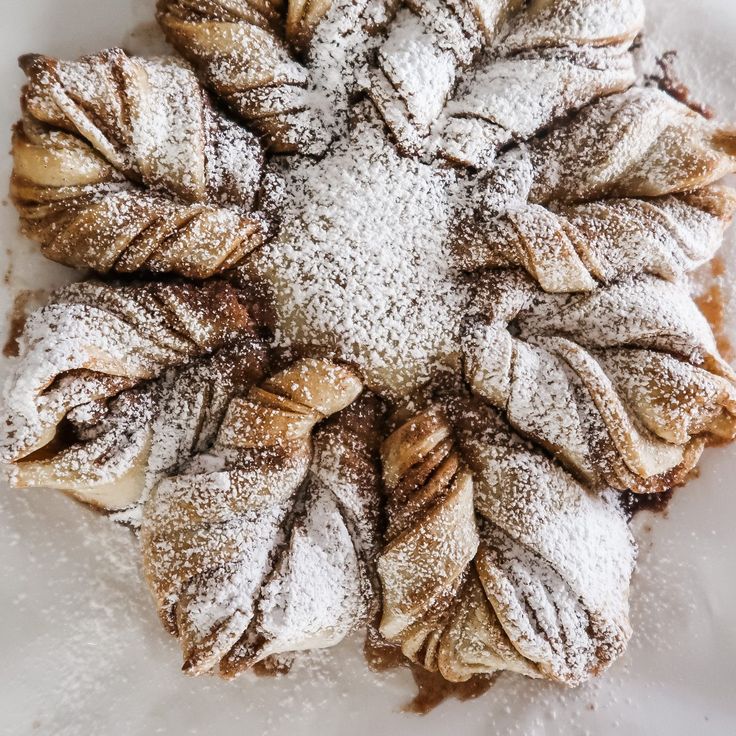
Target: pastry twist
{"points": [[322, 585], [211, 533], [497, 559], [121, 164], [431, 535], [236, 44], [641, 143], [106, 394], [514, 98], [574, 247], [623, 385], [556, 57], [431, 41]]}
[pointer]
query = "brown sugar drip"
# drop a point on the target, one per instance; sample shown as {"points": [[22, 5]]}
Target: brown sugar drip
{"points": [[432, 688], [380, 655], [657, 503], [271, 667], [8, 275], [18, 317], [712, 304], [669, 82]]}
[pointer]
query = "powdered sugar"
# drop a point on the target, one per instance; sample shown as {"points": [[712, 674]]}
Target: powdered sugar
{"points": [[427, 198], [576, 23], [314, 597], [243, 565], [362, 269], [91, 343], [554, 560], [152, 121], [338, 52], [558, 375]]}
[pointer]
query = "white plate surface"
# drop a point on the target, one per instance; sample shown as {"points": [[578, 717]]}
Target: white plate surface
{"points": [[81, 650]]}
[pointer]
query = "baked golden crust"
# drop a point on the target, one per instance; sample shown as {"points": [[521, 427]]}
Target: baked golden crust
{"points": [[476, 576], [641, 143], [212, 530], [239, 49], [122, 165], [469, 211], [575, 247], [104, 366], [624, 392]]}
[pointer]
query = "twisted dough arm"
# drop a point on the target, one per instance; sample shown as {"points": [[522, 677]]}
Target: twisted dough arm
{"points": [[323, 585], [102, 366], [191, 403], [571, 23], [555, 560], [121, 164], [557, 57], [641, 143], [236, 45], [513, 99], [431, 536], [623, 385], [542, 581], [210, 534], [430, 41], [578, 246]]}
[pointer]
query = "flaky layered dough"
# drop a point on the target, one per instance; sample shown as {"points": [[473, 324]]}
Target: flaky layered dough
{"points": [[625, 391], [121, 164], [496, 559], [118, 384], [574, 247], [434, 41], [246, 51], [642, 143], [238, 47], [211, 532], [557, 57], [395, 340]]}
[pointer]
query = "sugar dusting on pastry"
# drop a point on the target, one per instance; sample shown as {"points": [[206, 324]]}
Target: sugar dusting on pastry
{"points": [[553, 560], [123, 164], [94, 341], [258, 534], [363, 266], [260, 554]]}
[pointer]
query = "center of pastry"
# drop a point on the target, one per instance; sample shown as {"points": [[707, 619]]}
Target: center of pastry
{"points": [[363, 268]]}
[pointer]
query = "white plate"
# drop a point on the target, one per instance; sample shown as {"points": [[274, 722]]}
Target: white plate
{"points": [[82, 652]]}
